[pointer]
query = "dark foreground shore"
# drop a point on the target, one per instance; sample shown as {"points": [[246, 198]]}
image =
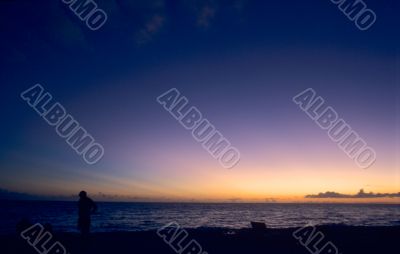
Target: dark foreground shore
{"points": [[347, 239]]}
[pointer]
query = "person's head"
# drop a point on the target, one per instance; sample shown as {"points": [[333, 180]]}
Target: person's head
{"points": [[82, 194]]}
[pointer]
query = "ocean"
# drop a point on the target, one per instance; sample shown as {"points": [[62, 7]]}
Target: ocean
{"points": [[148, 216]]}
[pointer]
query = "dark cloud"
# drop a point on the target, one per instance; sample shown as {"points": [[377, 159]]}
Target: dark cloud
{"points": [[204, 11], [235, 200], [360, 194], [145, 18], [239, 5], [8, 195], [150, 29], [205, 15], [11, 195]]}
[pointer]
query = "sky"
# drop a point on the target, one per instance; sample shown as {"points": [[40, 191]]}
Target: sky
{"points": [[239, 62]]}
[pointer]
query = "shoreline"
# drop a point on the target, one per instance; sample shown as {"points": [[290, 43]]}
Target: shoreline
{"points": [[364, 201]]}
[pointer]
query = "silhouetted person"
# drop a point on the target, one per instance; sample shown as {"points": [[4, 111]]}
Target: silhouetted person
{"points": [[86, 208]]}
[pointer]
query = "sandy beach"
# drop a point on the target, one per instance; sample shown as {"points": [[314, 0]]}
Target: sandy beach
{"points": [[348, 239]]}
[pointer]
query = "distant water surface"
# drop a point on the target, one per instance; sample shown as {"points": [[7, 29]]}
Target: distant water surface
{"points": [[145, 216]]}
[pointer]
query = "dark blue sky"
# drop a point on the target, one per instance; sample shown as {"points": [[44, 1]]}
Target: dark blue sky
{"points": [[239, 61]]}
